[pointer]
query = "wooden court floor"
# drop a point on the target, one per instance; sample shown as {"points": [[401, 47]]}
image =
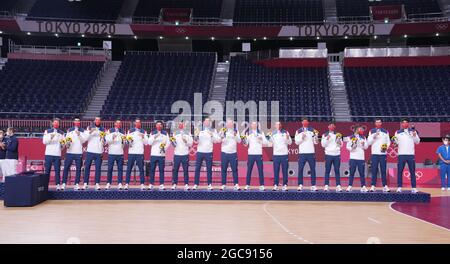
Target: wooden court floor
{"points": [[216, 222]]}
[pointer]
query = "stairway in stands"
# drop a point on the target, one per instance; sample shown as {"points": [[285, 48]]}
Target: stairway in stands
{"points": [[329, 10], [102, 91], [3, 62], [219, 90], [339, 100]]}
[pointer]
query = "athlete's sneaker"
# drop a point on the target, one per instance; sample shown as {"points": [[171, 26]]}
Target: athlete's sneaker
{"points": [[349, 188], [143, 187], [247, 187], [326, 188], [77, 187], [97, 187], [338, 188], [399, 189], [108, 185], [386, 189], [300, 187], [63, 187], [313, 188], [126, 187], [236, 187], [85, 186], [174, 186], [262, 188], [58, 187], [119, 186], [364, 189], [210, 187], [186, 187], [195, 187], [275, 188], [414, 190], [373, 188], [284, 189], [223, 187], [161, 187]]}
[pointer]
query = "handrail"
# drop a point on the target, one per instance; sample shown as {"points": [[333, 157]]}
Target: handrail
{"points": [[142, 52], [59, 50], [87, 20], [5, 14]]}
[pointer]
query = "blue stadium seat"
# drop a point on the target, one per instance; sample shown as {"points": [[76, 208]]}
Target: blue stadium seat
{"points": [[7, 5], [201, 8], [398, 91], [278, 11], [86, 10], [300, 91], [147, 84], [346, 9], [58, 88]]}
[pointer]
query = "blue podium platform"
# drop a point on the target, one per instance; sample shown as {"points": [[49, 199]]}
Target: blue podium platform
{"points": [[292, 195], [253, 195]]}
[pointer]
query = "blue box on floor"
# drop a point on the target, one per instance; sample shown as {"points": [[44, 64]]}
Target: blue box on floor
{"points": [[26, 189]]}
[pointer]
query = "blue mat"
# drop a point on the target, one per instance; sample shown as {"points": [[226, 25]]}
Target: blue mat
{"points": [[268, 195]]}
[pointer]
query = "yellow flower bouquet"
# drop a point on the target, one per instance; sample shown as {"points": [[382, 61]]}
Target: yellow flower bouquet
{"points": [[394, 140], [196, 133], [268, 135], [62, 143], [162, 148], [354, 140], [173, 140], [384, 148], [339, 138], [129, 139], [68, 141], [102, 134]]}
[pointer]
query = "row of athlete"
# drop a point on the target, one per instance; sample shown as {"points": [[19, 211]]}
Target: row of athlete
{"points": [[182, 140]]}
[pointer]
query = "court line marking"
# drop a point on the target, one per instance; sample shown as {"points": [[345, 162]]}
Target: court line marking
{"points": [[373, 220], [415, 218], [285, 229]]}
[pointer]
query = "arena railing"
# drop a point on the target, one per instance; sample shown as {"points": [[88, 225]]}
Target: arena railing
{"points": [[33, 127], [144, 52], [397, 51], [5, 15], [58, 50], [81, 20]]}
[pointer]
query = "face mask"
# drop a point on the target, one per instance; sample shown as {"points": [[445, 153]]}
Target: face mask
{"points": [[405, 125], [361, 132], [181, 126], [305, 123], [117, 125], [76, 124], [446, 142], [378, 125], [331, 128], [138, 125], [56, 125], [158, 127], [97, 122]]}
